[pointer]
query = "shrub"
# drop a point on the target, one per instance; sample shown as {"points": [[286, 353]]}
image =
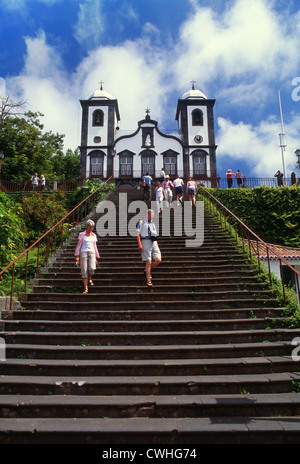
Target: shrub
{"points": [[272, 213], [12, 230], [41, 212]]}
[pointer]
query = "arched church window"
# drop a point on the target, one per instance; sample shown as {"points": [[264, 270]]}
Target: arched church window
{"points": [[148, 165], [96, 164], [98, 118], [199, 164], [170, 165], [197, 117], [126, 165]]}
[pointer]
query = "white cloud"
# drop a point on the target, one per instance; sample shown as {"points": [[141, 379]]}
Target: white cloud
{"points": [[259, 144], [249, 45], [47, 88], [127, 73], [90, 25], [130, 75], [42, 60], [238, 55], [2, 86]]}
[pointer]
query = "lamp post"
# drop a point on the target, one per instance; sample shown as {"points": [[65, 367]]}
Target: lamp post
{"points": [[1, 158], [282, 138]]}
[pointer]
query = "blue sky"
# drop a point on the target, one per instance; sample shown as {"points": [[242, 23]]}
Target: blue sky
{"points": [[54, 53]]}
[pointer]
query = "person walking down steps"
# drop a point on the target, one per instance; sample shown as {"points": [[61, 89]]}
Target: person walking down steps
{"points": [[147, 244], [86, 254]]}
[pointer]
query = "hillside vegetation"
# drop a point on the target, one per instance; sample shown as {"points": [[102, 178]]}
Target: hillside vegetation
{"points": [[272, 213]]}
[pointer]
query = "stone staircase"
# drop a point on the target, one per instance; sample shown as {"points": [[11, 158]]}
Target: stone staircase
{"points": [[203, 357]]}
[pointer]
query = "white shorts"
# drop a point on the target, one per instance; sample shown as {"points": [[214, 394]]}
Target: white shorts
{"points": [[150, 251]]}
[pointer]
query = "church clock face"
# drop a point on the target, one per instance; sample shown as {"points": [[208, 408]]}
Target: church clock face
{"points": [[198, 138]]}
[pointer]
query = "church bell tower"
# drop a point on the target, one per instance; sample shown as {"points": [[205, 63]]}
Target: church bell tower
{"points": [[100, 118], [196, 128]]}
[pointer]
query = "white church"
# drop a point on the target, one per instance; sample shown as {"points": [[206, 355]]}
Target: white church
{"points": [[106, 153]]}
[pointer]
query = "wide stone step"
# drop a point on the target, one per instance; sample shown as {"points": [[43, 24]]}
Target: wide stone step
{"points": [[134, 431], [137, 272], [144, 315], [143, 326], [143, 352], [108, 251], [148, 385], [190, 253], [173, 260], [159, 294], [182, 367], [30, 406], [174, 280], [150, 338], [160, 286], [133, 304]]}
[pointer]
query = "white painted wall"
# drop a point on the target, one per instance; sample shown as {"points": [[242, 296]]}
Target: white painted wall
{"points": [[275, 268]]}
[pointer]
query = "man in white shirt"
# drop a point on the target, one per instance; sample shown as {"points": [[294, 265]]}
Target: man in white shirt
{"points": [[148, 246], [35, 181]]}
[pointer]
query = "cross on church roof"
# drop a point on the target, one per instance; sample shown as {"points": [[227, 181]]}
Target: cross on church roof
{"points": [[147, 110], [101, 85], [193, 84]]}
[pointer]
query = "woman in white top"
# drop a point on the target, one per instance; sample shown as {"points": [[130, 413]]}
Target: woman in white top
{"points": [[86, 254], [191, 189], [159, 197], [167, 186], [43, 182]]}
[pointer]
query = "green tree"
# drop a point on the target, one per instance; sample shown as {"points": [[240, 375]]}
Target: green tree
{"points": [[12, 230], [66, 166], [41, 212], [27, 149]]}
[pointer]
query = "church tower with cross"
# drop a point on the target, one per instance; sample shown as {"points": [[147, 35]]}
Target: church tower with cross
{"points": [[196, 127], [106, 151], [100, 118]]}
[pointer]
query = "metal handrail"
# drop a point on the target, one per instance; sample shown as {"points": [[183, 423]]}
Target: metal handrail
{"points": [[80, 214], [257, 239], [14, 186]]}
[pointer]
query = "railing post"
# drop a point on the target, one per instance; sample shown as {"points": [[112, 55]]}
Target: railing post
{"points": [[258, 257], [12, 287], [38, 260], [26, 271], [282, 282]]}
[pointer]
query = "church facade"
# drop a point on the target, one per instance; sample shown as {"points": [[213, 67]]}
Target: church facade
{"points": [[105, 152]]}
